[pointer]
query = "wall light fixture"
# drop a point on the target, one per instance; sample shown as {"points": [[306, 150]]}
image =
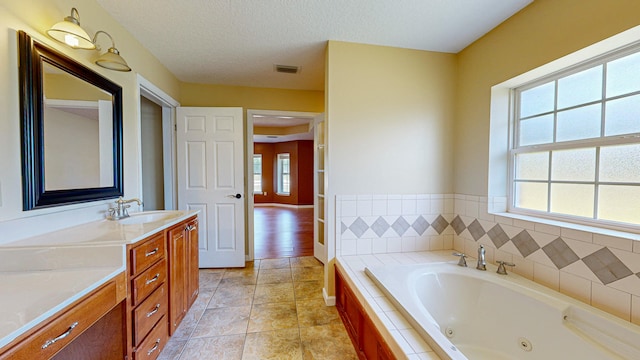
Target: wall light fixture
{"points": [[70, 33]]}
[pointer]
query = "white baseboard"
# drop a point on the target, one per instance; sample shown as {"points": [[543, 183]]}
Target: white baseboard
{"points": [[328, 300]]}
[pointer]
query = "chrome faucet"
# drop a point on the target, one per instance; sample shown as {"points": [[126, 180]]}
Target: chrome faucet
{"points": [[463, 259], [120, 211], [482, 265], [501, 267]]}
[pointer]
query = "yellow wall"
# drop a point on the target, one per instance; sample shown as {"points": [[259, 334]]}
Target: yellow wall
{"points": [[251, 98], [35, 17], [542, 32], [390, 115]]}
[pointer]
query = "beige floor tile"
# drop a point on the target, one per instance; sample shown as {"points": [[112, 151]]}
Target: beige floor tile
{"points": [[315, 312], [267, 317], [274, 263], [307, 274], [209, 280], [274, 276], [305, 261], [223, 321], [308, 290], [273, 345], [240, 277], [220, 347], [273, 293], [232, 296], [327, 342], [172, 350]]}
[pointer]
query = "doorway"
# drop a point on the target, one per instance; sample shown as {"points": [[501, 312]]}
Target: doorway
{"points": [[280, 220], [157, 180]]}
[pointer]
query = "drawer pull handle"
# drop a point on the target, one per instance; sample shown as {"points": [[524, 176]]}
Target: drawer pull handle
{"points": [[154, 348], [152, 252], [155, 310], [60, 337], [155, 278]]}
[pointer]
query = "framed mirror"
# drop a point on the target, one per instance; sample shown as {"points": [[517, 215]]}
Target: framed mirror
{"points": [[71, 129]]}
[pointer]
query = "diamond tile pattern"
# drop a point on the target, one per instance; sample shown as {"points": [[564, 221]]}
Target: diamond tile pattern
{"points": [[476, 230], [380, 226], [560, 253], [400, 226], [458, 225], [603, 263], [606, 266], [440, 224], [525, 243], [420, 225], [359, 227], [498, 236]]}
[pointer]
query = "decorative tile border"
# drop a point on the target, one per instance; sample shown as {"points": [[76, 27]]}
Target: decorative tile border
{"points": [[601, 270]]}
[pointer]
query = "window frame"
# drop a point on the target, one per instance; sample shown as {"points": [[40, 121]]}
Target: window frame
{"points": [[280, 174], [596, 143], [260, 192]]}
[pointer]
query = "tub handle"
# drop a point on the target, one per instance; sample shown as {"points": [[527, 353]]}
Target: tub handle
{"points": [[501, 266], [463, 259]]}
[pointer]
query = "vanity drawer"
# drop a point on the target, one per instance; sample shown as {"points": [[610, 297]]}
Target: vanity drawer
{"points": [[147, 253], [45, 342], [149, 312], [151, 347], [145, 283]]}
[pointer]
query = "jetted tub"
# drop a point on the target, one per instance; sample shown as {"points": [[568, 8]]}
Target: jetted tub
{"points": [[464, 313]]}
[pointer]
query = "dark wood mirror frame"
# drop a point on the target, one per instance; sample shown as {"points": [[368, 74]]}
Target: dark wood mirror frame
{"points": [[32, 55]]}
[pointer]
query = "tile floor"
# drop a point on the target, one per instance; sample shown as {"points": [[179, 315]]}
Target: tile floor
{"points": [[272, 309]]}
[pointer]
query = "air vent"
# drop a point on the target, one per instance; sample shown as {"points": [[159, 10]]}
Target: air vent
{"points": [[272, 137], [287, 69]]}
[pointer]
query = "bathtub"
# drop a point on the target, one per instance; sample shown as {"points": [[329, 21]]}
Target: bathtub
{"points": [[464, 313]]}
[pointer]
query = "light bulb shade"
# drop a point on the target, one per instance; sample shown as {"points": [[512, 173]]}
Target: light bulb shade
{"points": [[69, 32], [112, 60]]}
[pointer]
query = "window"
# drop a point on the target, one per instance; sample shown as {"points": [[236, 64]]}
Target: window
{"points": [[576, 143], [257, 174], [284, 174]]}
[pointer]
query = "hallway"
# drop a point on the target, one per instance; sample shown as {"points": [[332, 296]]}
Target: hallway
{"points": [[282, 232]]}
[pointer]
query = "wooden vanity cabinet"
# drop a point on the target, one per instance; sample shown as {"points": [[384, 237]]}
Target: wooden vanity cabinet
{"points": [[147, 303], [364, 335], [90, 328], [182, 242]]}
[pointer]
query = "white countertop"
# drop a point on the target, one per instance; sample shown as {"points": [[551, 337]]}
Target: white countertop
{"points": [[41, 275]]}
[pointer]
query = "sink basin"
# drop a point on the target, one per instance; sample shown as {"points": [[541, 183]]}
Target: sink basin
{"points": [[149, 216]]}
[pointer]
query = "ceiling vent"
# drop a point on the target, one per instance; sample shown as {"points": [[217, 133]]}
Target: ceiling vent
{"points": [[272, 137], [287, 69]]}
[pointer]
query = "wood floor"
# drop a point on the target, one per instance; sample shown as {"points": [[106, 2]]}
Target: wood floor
{"points": [[282, 232]]}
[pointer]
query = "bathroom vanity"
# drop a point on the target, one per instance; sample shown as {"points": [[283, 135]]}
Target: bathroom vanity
{"points": [[102, 290]]}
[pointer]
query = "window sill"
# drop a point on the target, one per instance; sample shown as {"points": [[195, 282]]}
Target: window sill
{"points": [[551, 225]]}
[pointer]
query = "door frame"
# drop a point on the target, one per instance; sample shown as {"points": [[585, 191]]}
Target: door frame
{"points": [[153, 93], [249, 168]]}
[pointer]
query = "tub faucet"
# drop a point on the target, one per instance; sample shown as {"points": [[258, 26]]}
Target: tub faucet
{"points": [[482, 265], [501, 267], [463, 259], [120, 211]]}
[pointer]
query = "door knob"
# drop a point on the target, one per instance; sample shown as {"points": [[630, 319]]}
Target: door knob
{"points": [[237, 196]]}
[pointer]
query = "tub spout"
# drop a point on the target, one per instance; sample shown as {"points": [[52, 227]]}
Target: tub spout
{"points": [[481, 265]]}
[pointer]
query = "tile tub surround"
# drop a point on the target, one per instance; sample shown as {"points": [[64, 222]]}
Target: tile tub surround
{"points": [[272, 309], [403, 339], [599, 268]]}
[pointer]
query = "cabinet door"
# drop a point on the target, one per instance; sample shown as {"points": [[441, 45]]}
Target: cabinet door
{"points": [[193, 261], [177, 277]]}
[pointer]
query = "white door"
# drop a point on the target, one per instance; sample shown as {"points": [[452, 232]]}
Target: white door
{"points": [[210, 152]]}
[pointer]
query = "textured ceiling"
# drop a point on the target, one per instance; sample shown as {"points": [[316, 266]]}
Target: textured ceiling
{"points": [[237, 42]]}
